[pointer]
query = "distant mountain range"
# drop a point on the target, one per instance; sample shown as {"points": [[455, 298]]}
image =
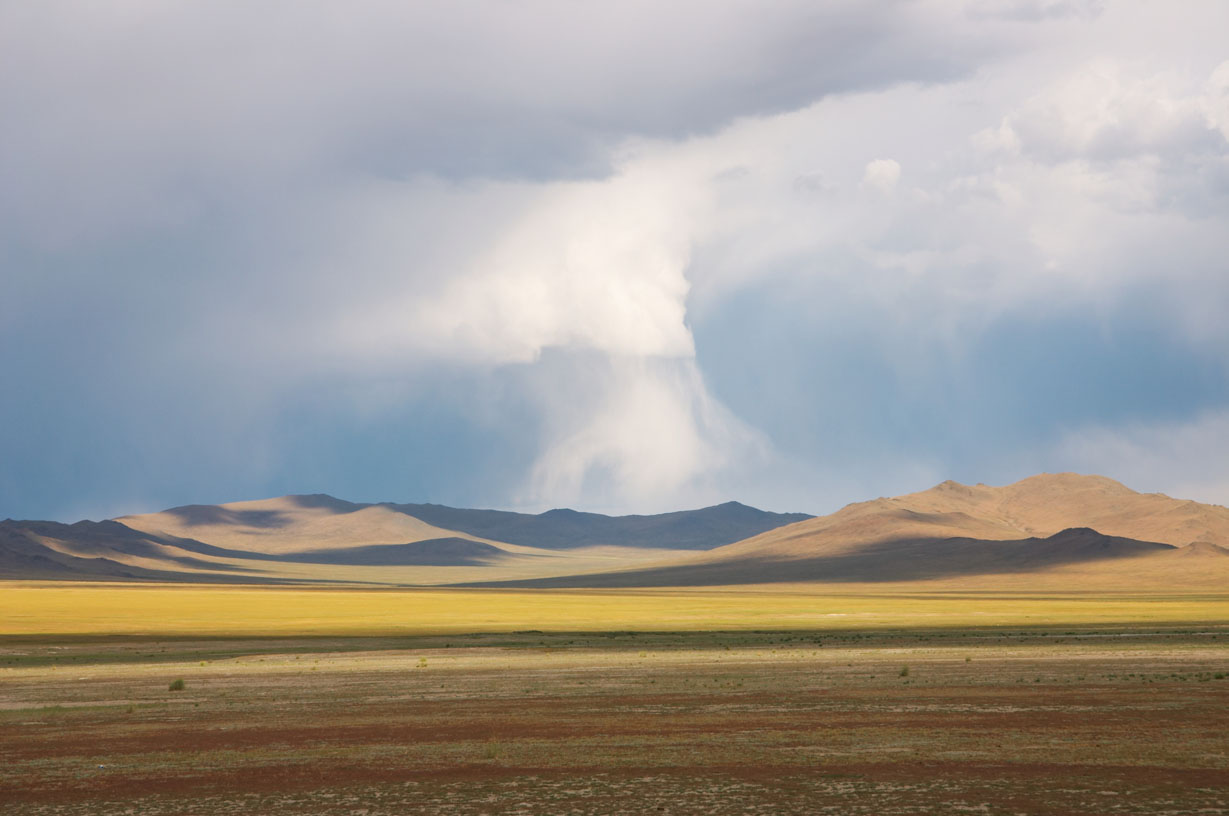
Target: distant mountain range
{"points": [[321, 538], [1059, 531]]}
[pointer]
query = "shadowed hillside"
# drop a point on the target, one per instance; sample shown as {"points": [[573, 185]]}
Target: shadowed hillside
{"points": [[1057, 527], [289, 524], [103, 550], [1058, 530], [702, 529], [298, 523], [899, 560], [319, 538]]}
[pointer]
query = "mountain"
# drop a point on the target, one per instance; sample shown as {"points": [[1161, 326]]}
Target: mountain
{"points": [[900, 560], [1058, 529], [106, 550], [701, 529], [1037, 506], [293, 523], [289, 524], [316, 538]]}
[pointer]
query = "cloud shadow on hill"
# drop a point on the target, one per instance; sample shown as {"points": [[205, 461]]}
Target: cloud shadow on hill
{"points": [[910, 559]]}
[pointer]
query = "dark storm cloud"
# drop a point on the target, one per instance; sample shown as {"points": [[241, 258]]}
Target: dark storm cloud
{"points": [[507, 89]]}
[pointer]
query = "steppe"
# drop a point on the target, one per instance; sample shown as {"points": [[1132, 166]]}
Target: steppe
{"points": [[1056, 646], [898, 701]]}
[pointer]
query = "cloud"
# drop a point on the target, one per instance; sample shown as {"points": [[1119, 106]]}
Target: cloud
{"points": [[586, 265], [639, 432], [622, 258], [1034, 10], [1188, 459], [136, 117], [882, 174], [1215, 100], [1103, 113]]}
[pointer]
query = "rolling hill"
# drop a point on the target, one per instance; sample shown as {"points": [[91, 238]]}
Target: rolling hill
{"points": [[1052, 529], [701, 529], [103, 550], [315, 538], [1063, 531], [292, 523]]}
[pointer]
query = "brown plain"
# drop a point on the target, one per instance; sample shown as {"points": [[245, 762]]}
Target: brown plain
{"points": [[1036, 721]]}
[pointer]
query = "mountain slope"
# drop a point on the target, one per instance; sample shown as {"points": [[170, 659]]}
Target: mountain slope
{"points": [[958, 532], [319, 538], [902, 560], [289, 524], [300, 523], [1055, 530], [701, 529], [1046, 503], [47, 550], [1037, 506]]}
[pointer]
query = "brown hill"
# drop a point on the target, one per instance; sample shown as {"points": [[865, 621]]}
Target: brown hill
{"points": [[319, 538], [1037, 506], [1053, 529], [290, 524], [90, 550], [897, 561], [1047, 503]]}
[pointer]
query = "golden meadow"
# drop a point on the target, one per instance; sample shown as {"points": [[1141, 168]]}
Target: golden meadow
{"points": [[35, 608]]}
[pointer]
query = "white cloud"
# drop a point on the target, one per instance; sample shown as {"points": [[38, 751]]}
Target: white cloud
{"points": [[1215, 100], [595, 265], [1185, 459], [882, 174], [1102, 112], [646, 434], [1034, 10]]}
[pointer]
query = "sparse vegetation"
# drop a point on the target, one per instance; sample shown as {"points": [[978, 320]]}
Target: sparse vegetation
{"points": [[605, 730], [890, 712]]}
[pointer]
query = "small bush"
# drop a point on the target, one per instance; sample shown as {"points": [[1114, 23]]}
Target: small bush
{"points": [[176, 685], [904, 671]]}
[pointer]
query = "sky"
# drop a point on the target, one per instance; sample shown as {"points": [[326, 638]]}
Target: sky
{"points": [[623, 257]]}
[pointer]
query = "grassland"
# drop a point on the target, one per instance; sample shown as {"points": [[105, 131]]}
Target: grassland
{"points": [[186, 611], [303, 701]]}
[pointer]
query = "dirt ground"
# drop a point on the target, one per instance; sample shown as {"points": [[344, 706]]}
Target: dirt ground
{"points": [[1032, 721]]}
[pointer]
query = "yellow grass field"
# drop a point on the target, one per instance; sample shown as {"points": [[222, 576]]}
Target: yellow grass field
{"points": [[33, 609]]}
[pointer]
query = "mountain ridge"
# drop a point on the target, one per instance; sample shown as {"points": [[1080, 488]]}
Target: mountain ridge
{"points": [[869, 539], [298, 536], [1047, 528]]}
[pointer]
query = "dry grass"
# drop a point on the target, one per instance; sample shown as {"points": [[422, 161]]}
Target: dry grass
{"points": [[381, 702], [187, 610]]}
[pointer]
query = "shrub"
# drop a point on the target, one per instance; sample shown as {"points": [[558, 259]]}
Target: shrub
{"points": [[176, 685], [904, 671]]}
